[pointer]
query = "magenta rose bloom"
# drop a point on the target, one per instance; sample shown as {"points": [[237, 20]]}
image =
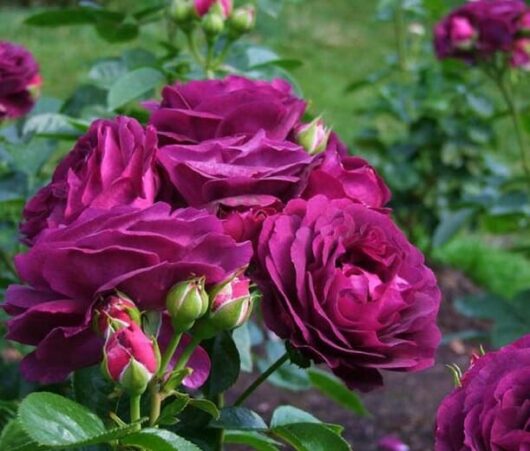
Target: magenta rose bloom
{"points": [[112, 164], [479, 29], [347, 177], [210, 109], [491, 409], [19, 76], [141, 253], [343, 285]]}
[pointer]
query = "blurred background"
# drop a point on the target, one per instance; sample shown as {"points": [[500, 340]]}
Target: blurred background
{"points": [[438, 132]]}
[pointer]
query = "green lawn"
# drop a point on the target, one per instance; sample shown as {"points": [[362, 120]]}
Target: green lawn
{"points": [[338, 40]]}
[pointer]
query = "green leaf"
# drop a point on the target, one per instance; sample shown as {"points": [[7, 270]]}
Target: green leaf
{"points": [[15, 438], [225, 364], [239, 418], [132, 86], [206, 406], [151, 439], [112, 31], [284, 415], [53, 420], [451, 223], [288, 376], [92, 390], [50, 125], [105, 73], [253, 439], [60, 17], [243, 343], [334, 389], [171, 410], [311, 437]]}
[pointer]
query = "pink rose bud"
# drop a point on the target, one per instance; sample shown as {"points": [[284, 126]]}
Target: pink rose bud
{"points": [[524, 24], [181, 11], [186, 302], [314, 136], [232, 305], [521, 54], [392, 443], [243, 20], [462, 33], [131, 359], [203, 7], [113, 313]]}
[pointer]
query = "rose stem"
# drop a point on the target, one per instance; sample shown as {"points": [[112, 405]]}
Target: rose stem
{"points": [[156, 399], [262, 378], [186, 354], [219, 402], [505, 86], [135, 408]]}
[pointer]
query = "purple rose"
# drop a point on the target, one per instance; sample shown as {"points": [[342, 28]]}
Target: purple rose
{"points": [[347, 177], [141, 253], [490, 410], [343, 285], [112, 165], [210, 109], [19, 76], [477, 30], [235, 171]]}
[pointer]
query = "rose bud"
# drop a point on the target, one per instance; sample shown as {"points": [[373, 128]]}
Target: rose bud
{"points": [[181, 11], [213, 23], [203, 7], [131, 359], [242, 20], [231, 307], [314, 136], [462, 33], [113, 313], [186, 302]]}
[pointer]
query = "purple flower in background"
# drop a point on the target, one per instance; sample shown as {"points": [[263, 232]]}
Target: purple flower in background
{"points": [[479, 29], [343, 285], [113, 164], [141, 253], [19, 77], [490, 410]]}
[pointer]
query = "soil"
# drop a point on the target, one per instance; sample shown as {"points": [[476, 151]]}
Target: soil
{"points": [[407, 404]]}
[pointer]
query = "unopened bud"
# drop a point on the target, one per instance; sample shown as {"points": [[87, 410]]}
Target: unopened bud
{"points": [[242, 20], [131, 359], [314, 136], [524, 24], [186, 302], [521, 54], [113, 313], [213, 24], [181, 11], [232, 306]]}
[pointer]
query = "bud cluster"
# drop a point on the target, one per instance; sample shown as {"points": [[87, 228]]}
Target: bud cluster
{"points": [[224, 307], [214, 16]]}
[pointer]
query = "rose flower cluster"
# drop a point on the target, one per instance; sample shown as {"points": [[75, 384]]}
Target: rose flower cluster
{"points": [[480, 29], [225, 186], [19, 79]]}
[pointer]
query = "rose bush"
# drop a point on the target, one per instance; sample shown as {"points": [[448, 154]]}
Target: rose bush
{"points": [[140, 252], [112, 164], [343, 285], [19, 75], [489, 411], [478, 30]]}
